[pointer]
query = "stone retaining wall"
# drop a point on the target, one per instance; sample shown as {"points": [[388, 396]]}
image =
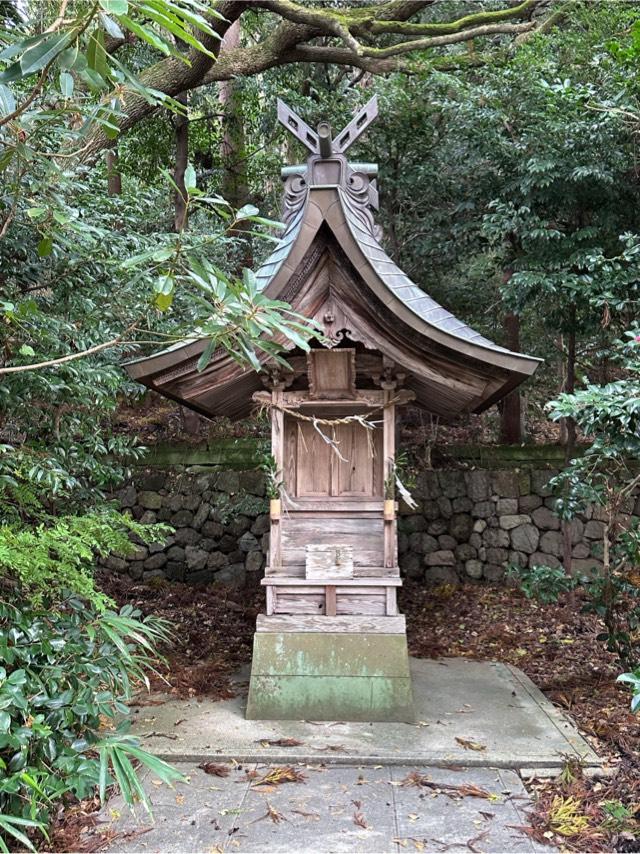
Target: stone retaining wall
{"points": [[468, 524], [473, 524], [221, 525]]}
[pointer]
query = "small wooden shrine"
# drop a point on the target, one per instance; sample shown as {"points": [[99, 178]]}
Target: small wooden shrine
{"points": [[331, 644]]}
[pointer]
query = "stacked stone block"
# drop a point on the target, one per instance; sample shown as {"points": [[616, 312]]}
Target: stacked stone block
{"points": [[469, 524], [220, 519], [474, 524]]}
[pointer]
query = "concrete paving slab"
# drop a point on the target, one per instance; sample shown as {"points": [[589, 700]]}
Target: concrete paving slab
{"points": [[196, 815], [483, 714], [337, 809], [445, 821]]}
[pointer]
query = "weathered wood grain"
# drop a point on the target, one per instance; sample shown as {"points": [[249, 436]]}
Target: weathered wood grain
{"points": [[294, 571], [352, 624], [330, 601], [308, 584], [328, 561], [277, 450], [362, 602], [332, 374], [364, 535]]}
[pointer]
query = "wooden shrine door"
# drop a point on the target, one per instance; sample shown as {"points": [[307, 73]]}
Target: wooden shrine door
{"points": [[332, 496], [351, 469]]}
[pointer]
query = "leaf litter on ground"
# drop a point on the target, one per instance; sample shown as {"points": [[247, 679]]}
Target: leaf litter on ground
{"points": [[214, 768], [215, 627], [279, 775], [451, 790], [470, 745]]}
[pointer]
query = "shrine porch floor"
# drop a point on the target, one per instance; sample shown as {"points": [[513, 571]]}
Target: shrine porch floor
{"points": [[468, 713]]}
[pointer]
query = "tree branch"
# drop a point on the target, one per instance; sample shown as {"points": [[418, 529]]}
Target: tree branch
{"points": [[50, 363], [372, 20], [440, 41], [476, 19], [300, 24], [170, 76]]}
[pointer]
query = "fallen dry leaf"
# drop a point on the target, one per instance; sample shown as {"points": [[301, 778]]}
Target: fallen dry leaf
{"points": [[332, 748], [418, 844], [314, 815], [279, 775], [472, 842], [215, 769], [360, 820], [279, 742], [456, 792], [275, 816], [470, 745]]}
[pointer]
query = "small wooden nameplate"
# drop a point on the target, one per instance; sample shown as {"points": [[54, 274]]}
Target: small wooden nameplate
{"points": [[329, 561], [332, 374]]}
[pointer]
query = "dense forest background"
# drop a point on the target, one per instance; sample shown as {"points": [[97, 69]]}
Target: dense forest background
{"points": [[140, 161], [508, 190]]}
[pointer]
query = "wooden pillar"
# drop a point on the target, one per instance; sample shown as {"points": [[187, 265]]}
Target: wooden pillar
{"points": [[277, 450], [389, 453]]}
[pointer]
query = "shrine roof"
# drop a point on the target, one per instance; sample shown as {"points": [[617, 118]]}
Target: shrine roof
{"points": [[417, 300], [331, 266]]}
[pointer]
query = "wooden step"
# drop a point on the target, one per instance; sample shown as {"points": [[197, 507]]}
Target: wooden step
{"points": [[351, 624], [294, 581]]}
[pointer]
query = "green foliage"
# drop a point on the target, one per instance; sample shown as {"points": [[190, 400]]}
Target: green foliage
{"points": [[227, 507], [618, 816], [60, 554], [609, 416], [12, 826], [273, 477], [546, 584], [633, 679], [606, 476], [66, 671], [611, 596]]}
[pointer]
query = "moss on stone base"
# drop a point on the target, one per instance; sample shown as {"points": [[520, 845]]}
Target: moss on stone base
{"points": [[327, 676]]}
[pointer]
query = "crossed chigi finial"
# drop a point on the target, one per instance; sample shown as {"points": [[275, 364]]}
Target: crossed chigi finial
{"points": [[320, 141]]}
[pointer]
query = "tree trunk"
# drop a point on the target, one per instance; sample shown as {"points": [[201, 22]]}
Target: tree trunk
{"points": [[511, 432], [114, 178], [233, 154], [570, 387], [181, 124], [570, 427]]}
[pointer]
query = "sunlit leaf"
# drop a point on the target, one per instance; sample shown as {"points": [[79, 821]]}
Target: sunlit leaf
{"points": [[43, 52], [45, 246], [66, 84], [189, 178], [111, 27], [7, 101], [115, 7]]}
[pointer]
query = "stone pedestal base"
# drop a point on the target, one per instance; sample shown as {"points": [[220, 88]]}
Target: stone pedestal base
{"points": [[326, 676]]}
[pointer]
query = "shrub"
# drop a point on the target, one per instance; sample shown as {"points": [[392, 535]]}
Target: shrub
{"points": [[60, 553], [544, 583], [67, 676]]}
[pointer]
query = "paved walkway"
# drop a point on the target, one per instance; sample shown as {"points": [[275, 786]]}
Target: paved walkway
{"points": [[336, 808], [473, 713], [480, 728]]}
